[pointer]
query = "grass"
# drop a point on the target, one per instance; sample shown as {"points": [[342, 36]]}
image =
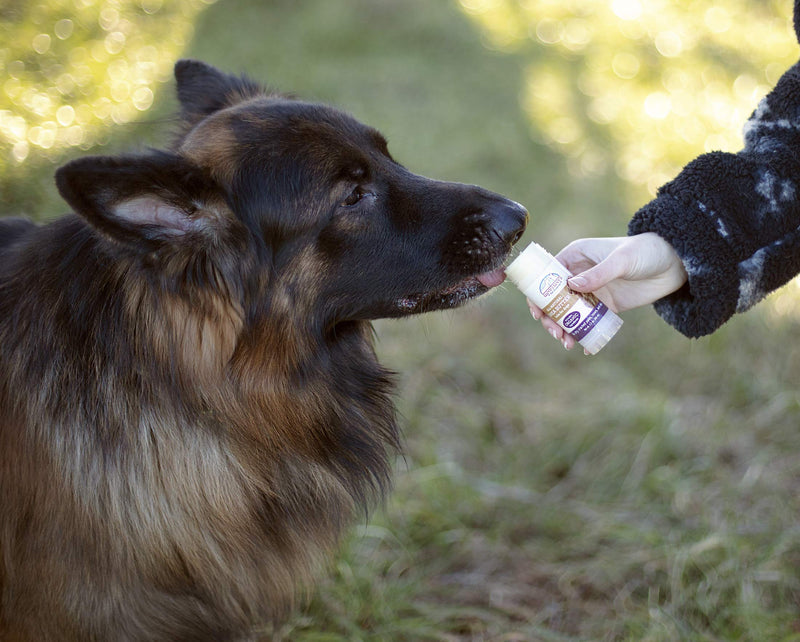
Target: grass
{"points": [[649, 493]]}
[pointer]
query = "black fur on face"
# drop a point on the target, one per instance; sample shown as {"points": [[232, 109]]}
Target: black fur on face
{"points": [[191, 408], [333, 222]]}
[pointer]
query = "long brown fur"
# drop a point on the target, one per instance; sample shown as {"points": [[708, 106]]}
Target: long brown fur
{"points": [[191, 410]]}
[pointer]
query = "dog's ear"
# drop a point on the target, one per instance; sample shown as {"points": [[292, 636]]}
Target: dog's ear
{"points": [[203, 89], [145, 200]]}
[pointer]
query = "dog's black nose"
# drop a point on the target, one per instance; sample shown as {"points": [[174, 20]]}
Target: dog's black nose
{"points": [[508, 220]]}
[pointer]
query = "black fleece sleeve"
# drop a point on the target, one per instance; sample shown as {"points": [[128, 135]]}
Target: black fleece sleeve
{"points": [[734, 219]]}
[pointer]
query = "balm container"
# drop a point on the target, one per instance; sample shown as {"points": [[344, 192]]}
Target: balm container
{"points": [[542, 279]]}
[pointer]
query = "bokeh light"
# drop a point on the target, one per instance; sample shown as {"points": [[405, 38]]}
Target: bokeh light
{"points": [[72, 68], [635, 89], [640, 88]]}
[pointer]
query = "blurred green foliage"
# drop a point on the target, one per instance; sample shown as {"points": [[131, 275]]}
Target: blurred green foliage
{"points": [[640, 87], [71, 69]]}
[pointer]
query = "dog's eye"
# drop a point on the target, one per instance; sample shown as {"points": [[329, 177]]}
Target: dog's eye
{"points": [[355, 196]]}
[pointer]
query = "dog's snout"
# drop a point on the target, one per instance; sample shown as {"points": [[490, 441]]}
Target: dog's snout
{"points": [[508, 220]]}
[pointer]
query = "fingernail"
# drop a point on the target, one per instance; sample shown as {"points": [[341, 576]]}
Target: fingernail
{"points": [[536, 314], [565, 344], [577, 281], [554, 334]]}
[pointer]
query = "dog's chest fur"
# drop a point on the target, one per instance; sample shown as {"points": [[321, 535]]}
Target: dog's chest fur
{"points": [[194, 473]]}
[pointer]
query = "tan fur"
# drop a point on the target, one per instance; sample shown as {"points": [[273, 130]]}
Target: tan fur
{"points": [[212, 146], [191, 408]]}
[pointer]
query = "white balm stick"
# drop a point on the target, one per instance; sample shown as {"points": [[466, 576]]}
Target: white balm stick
{"points": [[544, 281]]}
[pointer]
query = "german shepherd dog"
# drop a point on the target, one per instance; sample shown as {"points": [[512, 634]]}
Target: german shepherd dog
{"points": [[191, 409]]}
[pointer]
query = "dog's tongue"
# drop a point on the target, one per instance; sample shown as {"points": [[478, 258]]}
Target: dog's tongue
{"points": [[493, 278]]}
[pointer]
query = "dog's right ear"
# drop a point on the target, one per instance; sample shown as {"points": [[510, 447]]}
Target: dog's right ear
{"points": [[203, 89], [146, 201]]}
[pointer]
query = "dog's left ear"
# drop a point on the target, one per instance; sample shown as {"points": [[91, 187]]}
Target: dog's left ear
{"points": [[203, 89], [148, 200]]}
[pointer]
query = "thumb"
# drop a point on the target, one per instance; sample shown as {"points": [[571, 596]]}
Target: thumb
{"points": [[598, 276]]}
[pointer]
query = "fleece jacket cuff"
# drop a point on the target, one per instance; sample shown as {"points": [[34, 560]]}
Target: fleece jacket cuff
{"points": [[709, 297]]}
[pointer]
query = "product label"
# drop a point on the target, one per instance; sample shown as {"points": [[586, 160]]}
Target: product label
{"points": [[550, 284], [574, 312], [589, 321]]}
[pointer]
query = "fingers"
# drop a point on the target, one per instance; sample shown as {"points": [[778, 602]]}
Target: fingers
{"points": [[597, 277], [582, 254], [595, 262], [536, 312], [555, 330]]}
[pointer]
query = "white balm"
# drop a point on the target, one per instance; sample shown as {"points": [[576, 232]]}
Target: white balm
{"points": [[544, 281]]}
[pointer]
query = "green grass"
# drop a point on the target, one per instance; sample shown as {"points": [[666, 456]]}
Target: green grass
{"points": [[649, 493]]}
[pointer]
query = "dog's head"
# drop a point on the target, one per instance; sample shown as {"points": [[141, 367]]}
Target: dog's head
{"points": [[288, 203]]}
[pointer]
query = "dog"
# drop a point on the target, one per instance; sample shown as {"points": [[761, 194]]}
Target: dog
{"points": [[191, 408]]}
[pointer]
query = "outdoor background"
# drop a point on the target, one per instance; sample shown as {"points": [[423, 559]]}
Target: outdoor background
{"points": [[651, 492]]}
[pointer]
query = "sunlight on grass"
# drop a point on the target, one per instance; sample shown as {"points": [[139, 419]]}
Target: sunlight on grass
{"points": [[73, 68], [639, 88]]}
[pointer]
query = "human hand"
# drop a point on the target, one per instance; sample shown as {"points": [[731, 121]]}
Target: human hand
{"points": [[624, 272]]}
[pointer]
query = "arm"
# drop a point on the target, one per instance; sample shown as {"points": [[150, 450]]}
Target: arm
{"points": [[625, 272], [733, 218], [733, 221]]}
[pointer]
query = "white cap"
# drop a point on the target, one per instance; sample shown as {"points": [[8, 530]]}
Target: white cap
{"points": [[529, 265]]}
